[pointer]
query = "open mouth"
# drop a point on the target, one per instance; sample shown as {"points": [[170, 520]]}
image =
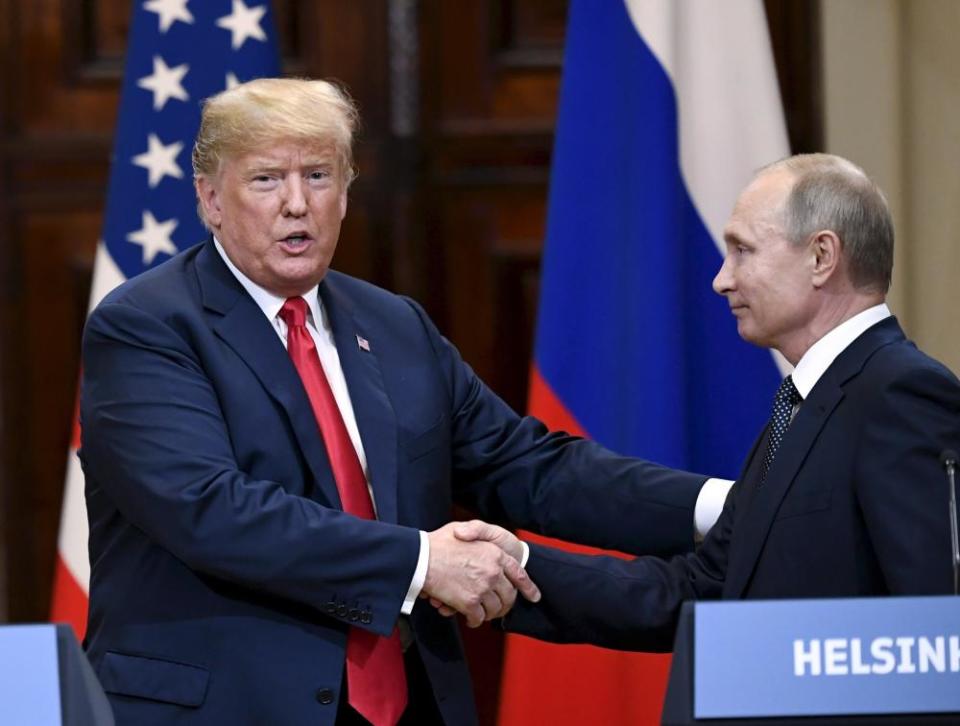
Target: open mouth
{"points": [[295, 241]]}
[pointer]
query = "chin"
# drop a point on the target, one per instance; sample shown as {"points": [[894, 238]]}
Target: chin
{"points": [[749, 334]]}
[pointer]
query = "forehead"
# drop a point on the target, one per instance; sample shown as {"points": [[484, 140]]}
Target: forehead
{"points": [[284, 154], [760, 205]]}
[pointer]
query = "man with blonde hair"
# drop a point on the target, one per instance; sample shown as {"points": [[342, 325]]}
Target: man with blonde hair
{"points": [[272, 450], [843, 494]]}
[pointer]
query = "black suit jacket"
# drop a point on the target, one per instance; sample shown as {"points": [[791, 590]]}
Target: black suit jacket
{"points": [[855, 504]]}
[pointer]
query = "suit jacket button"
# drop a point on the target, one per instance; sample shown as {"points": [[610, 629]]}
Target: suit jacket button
{"points": [[354, 615], [324, 696], [366, 618], [342, 611], [330, 607]]}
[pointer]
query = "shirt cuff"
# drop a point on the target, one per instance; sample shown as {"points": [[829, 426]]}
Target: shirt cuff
{"points": [[710, 501], [419, 575]]}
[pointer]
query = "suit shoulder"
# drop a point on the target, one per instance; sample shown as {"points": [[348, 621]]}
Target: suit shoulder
{"points": [[164, 286], [904, 360], [370, 297]]}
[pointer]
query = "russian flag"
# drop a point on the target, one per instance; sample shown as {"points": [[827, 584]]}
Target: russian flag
{"points": [[667, 107]]}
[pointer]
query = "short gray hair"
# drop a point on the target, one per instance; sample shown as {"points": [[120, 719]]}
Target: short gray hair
{"points": [[832, 193]]}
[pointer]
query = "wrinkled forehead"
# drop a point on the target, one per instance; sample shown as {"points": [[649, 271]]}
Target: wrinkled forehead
{"points": [[285, 154]]}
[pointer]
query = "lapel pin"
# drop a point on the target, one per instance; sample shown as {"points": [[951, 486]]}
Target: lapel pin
{"points": [[363, 343]]}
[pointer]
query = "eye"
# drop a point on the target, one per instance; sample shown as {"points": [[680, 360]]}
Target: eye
{"points": [[318, 174], [263, 181]]}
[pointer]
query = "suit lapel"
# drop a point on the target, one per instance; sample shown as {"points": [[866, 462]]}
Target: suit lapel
{"points": [[762, 502], [755, 519], [375, 416], [746, 482], [242, 325]]}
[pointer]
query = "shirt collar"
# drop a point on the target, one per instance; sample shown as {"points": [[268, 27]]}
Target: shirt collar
{"points": [[269, 303], [815, 361]]}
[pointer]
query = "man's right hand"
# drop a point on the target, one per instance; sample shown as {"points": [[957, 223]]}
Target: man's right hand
{"points": [[477, 579]]}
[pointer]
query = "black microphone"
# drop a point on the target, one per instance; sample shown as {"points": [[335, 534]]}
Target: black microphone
{"points": [[948, 458]]}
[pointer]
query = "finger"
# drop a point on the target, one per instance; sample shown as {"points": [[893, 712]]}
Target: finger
{"points": [[473, 530], [442, 608], [519, 578], [507, 594], [492, 605], [474, 615]]}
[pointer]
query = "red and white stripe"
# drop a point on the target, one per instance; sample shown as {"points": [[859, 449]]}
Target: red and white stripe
{"points": [[71, 583]]}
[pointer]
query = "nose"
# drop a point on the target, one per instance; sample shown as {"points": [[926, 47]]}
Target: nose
{"points": [[723, 282], [294, 201]]}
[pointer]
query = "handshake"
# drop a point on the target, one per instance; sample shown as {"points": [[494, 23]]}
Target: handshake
{"points": [[474, 569]]}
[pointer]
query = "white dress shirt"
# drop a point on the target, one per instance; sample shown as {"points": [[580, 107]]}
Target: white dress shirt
{"points": [[821, 354]]}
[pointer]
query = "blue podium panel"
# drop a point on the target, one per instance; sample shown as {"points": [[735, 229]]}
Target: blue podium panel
{"points": [[827, 657], [29, 679]]}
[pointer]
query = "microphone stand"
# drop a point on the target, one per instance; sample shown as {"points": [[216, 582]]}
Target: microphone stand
{"points": [[949, 460]]}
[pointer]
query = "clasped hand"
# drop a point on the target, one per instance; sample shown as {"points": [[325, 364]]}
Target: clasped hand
{"points": [[474, 569]]}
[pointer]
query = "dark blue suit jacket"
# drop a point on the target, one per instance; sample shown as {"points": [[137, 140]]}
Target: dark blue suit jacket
{"points": [[224, 575], [855, 504]]}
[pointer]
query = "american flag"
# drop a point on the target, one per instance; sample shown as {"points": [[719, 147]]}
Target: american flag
{"points": [[178, 53]]}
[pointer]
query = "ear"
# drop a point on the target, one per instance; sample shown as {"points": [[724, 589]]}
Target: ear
{"points": [[343, 203], [209, 199], [827, 252]]}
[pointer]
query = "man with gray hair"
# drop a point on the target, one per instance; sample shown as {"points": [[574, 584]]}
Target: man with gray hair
{"points": [[843, 494], [272, 450]]}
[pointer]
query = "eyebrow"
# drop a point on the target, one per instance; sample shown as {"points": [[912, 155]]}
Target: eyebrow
{"points": [[268, 165]]}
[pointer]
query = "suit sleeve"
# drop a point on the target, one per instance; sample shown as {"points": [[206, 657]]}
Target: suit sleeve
{"points": [[617, 603], [900, 484], [156, 447], [511, 470]]}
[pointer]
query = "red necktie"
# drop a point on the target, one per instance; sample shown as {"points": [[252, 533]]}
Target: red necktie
{"points": [[376, 680]]}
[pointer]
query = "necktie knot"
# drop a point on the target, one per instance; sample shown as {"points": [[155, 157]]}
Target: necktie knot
{"points": [[787, 394], [294, 312]]}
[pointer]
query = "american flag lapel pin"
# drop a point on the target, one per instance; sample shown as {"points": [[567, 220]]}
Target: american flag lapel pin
{"points": [[363, 343]]}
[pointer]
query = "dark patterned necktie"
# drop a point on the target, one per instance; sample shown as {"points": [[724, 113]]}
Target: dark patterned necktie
{"points": [[787, 397]]}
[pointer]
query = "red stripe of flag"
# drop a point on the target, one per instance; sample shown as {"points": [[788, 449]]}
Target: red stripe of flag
{"points": [[605, 674]]}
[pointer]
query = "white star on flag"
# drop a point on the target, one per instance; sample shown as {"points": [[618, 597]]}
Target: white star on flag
{"points": [[169, 11], [244, 23], [165, 83], [154, 237], [232, 80], [160, 160], [155, 135]]}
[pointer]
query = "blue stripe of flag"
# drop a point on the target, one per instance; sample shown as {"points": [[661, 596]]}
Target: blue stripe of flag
{"points": [[207, 49], [630, 335]]}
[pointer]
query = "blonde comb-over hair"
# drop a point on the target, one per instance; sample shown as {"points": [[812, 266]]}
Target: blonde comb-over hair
{"points": [[268, 110]]}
